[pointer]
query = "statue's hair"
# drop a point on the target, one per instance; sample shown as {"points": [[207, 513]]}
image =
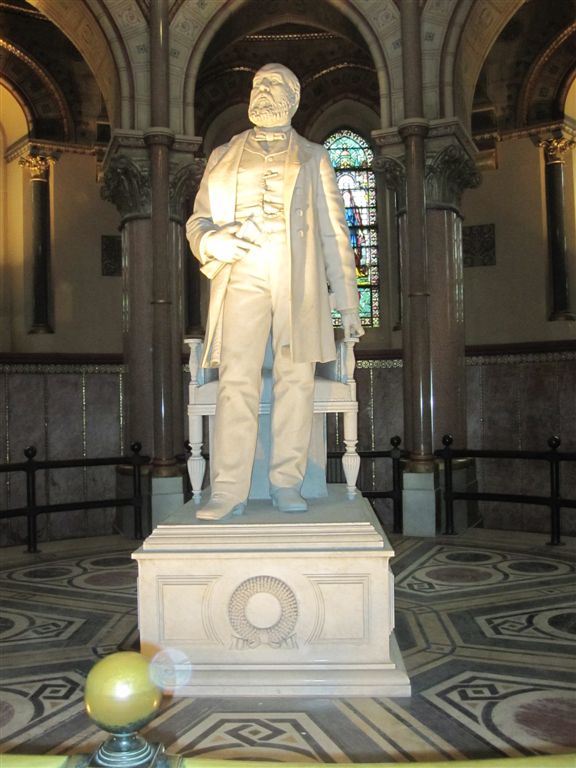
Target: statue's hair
{"points": [[290, 78]]}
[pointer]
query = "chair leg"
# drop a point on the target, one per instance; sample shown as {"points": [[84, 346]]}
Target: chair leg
{"points": [[196, 462], [351, 459]]}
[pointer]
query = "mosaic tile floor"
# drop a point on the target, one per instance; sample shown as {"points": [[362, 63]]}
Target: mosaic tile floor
{"points": [[486, 622]]}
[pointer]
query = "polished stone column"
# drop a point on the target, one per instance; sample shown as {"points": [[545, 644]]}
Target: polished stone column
{"points": [[416, 293], [555, 149], [42, 298], [127, 186], [159, 139], [448, 172]]}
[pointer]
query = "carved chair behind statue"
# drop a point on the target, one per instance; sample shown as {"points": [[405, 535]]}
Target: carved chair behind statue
{"points": [[334, 392]]}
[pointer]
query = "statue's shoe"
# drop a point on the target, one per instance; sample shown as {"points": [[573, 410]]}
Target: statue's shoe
{"points": [[289, 500], [220, 505]]}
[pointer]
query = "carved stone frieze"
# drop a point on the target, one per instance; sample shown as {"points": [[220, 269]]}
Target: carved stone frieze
{"points": [[448, 173], [127, 186]]}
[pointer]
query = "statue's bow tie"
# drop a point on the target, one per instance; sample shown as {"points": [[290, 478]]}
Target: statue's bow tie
{"points": [[269, 135]]}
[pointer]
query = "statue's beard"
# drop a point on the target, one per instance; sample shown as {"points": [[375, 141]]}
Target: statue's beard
{"points": [[265, 113]]}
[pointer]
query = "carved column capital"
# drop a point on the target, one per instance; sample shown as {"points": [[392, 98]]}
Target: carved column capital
{"points": [[555, 148], [127, 186], [394, 174], [448, 174], [38, 165], [184, 183]]}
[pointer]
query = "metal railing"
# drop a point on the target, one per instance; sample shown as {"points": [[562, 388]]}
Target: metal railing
{"points": [[554, 501], [32, 509]]}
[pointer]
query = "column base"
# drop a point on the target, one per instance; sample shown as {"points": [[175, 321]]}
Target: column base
{"points": [[166, 497], [421, 503], [423, 500]]}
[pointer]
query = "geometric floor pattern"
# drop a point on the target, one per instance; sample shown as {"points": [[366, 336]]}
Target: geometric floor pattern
{"points": [[486, 622]]}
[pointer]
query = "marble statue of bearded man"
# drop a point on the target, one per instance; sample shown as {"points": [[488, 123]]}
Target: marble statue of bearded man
{"points": [[269, 230]]}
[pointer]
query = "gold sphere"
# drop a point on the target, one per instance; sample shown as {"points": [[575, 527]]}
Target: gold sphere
{"points": [[119, 695]]}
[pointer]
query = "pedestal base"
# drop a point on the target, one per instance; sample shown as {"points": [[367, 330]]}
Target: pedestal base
{"points": [[272, 605]]}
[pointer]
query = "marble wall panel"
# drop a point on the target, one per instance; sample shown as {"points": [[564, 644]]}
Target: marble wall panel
{"points": [[26, 403], [104, 427], [103, 422], [500, 516], [474, 411], [364, 389], [566, 373], [500, 406], [387, 408], [23, 417], [100, 522], [540, 417], [535, 518], [66, 440]]}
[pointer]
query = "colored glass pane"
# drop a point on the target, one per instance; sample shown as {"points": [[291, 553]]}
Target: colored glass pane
{"points": [[352, 158]]}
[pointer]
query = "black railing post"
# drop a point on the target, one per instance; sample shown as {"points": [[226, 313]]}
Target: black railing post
{"points": [[554, 444], [32, 534], [395, 455], [137, 488], [447, 441]]}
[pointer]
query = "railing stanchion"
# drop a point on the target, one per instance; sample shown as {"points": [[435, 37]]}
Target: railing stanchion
{"points": [[447, 441], [554, 444], [137, 489], [395, 454], [32, 531]]}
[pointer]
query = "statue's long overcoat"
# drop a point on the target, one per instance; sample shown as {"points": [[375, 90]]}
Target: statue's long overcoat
{"points": [[321, 258]]}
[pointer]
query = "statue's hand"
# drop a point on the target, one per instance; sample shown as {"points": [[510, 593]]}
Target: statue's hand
{"points": [[225, 245], [351, 324]]}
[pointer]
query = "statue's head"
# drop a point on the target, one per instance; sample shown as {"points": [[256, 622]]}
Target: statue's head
{"points": [[274, 97]]}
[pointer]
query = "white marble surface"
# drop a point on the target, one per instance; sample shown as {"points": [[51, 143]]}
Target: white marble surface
{"points": [[272, 604]]}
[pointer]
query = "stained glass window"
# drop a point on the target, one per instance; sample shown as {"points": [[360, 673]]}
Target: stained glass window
{"points": [[351, 158]]}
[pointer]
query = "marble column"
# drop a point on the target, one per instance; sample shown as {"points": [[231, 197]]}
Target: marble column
{"points": [[127, 185], [448, 172], [435, 349], [416, 294], [159, 139], [555, 149], [42, 298]]}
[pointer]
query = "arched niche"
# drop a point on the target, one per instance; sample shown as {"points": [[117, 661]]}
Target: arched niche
{"points": [[244, 22], [475, 35]]}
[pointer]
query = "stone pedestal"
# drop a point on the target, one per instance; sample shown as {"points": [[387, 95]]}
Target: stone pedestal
{"points": [[268, 604]]}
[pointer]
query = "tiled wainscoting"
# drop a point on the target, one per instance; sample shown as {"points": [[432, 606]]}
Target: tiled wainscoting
{"points": [[515, 401], [65, 412]]}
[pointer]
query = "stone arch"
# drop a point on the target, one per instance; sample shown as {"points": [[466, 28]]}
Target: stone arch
{"points": [[441, 23], [484, 22], [92, 31], [354, 12], [37, 93], [548, 81]]}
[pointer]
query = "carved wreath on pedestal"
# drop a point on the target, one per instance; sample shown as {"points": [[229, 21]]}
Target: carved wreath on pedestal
{"points": [[263, 610]]}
